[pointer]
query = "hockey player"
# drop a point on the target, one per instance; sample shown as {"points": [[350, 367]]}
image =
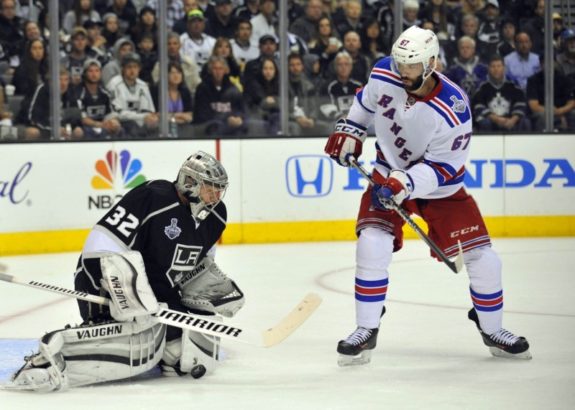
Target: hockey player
{"points": [[155, 246], [423, 128]]}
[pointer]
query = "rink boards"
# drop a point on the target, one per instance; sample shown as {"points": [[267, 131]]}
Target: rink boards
{"points": [[281, 190]]}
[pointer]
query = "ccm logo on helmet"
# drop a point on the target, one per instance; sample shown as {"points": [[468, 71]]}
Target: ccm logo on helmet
{"points": [[464, 231]]}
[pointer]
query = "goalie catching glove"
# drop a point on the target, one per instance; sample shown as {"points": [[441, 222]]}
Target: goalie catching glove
{"points": [[208, 289], [345, 142], [396, 189]]}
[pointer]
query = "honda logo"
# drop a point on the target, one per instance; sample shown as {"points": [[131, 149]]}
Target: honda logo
{"points": [[309, 176]]}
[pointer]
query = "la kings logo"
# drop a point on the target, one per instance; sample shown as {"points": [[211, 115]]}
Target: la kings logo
{"points": [[184, 260]]}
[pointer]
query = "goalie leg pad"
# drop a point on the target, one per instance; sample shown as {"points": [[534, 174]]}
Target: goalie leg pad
{"points": [[90, 354], [124, 277], [193, 354]]}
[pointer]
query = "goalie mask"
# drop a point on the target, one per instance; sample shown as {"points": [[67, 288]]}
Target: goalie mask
{"points": [[203, 181], [416, 45]]}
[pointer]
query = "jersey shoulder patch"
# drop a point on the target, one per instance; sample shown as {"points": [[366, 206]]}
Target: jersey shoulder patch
{"points": [[451, 103]]}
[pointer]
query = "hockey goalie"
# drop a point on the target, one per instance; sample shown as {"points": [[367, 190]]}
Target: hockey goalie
{"points": [[154, 248]]}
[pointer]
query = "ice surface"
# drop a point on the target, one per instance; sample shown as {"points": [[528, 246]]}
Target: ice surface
{"points": [[429, 356]]}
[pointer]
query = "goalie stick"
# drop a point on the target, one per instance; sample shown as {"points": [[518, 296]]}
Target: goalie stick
{"points": [[455, 265], [202, 324]]}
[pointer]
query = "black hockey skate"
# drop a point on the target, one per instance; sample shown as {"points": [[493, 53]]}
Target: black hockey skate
{"points": [[356, 349], [502, 343]]}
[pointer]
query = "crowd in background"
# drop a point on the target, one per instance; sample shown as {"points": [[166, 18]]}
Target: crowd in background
{"points": [[223, 73]]}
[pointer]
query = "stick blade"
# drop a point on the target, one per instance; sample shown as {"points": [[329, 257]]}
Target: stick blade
{"points": [[292, 321]]}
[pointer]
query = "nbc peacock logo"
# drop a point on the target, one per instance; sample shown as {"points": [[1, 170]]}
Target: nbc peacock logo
{"points": [[115, 172], [107, 171]]}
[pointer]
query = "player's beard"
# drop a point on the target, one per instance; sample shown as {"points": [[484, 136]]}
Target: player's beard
{"points": [[417, 83]]}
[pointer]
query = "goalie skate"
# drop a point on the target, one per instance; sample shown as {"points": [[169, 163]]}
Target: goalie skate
{"points": [[356, 349], [502, 343], [39, 375]]}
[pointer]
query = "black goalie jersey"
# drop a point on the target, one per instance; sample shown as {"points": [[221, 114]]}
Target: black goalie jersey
{"points": [[151, 219]]}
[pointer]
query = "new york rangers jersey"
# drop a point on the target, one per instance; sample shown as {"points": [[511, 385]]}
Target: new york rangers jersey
{"points": [[429, 137]]}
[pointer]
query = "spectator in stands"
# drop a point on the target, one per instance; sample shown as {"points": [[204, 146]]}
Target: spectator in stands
{"points": [[372, 40], [566, 59], [222, 23], [6, 129], [340, 91], [146, 23], [111, 31], [219, 105], [303, 101], [195, 43], [507, 44], [223, 48], [437, 11], [96, 41], [132, 101], [82, 10], [294, 11], [113, 68], [535, 27], [306, 26], [262, 96], [265, 22], [146, 49], [187, 64], [243, 49], [466, 70], [32, 31], [350, 19], [35, 112], [558, 30], [563, 98], [181, 24], [326, 44], [361, 63], [489, 29], [498, 104], [175, 10], [33, 68], [410, 13], [126, 13], [11, 37], [180, 101], [385, 18], [268, 47], [474, 7], [78, 54], [98, 118], [248, 10], [522, 63]]}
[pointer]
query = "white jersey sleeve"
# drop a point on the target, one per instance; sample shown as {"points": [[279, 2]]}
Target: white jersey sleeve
{"points": [[429, 137]]}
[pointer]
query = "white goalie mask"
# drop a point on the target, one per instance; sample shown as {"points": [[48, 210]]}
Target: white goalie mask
{"points": [[203, 181], [416, 45]]}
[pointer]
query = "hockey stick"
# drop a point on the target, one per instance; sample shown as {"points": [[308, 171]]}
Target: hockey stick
{"points": [[455, 265], [202, 324]]}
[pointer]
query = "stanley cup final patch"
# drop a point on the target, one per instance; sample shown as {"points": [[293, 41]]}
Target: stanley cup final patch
{"points": [[458, 105], [173, 230]]}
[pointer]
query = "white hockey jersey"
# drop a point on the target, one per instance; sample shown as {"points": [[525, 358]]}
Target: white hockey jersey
{"points": [[429, 137]]}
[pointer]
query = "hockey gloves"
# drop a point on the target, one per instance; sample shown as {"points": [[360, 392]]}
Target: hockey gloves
{"points": [[208, 289], [345, 142], [395, 190]]}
